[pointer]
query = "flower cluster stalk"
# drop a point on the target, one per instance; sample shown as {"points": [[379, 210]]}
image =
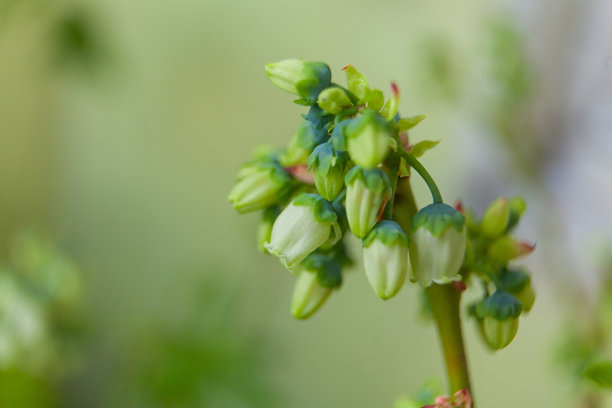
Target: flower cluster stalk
{"points": [[444, 301]]}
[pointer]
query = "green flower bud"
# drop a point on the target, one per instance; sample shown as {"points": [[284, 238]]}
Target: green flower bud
{"points": [[334, 100], [385, 258], [259, 185], [369, 139], [499, 315], [308, 137], [367, 191], [518, 282], [438, 244], [306, 224], [264, 231], [317, 277], [329, 169], [495, 218], [517, 208], [506, 248], [304, 79]]}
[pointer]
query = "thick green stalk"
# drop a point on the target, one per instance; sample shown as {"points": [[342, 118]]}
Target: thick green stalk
{"points": [[444, 302], [443, 299]]}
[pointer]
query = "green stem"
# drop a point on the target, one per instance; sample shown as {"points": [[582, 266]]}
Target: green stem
{"points": [[444, 301], [415, 164]]}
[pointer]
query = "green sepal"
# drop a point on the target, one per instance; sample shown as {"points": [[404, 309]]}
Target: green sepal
{"points": [[375, 180], [513, 280], [437, 217], [423, 146], [302, 102], [322, 209], [357, 83], [309, 135], [324, 157], [318, 117], [338, 137], [388, 232], [376, 100], [318, 77], [409, 123], [329, 272], [500, 306]]}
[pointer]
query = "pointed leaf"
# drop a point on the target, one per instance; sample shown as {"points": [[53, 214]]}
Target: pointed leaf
{"points": [[409, 123], [420, 148]]}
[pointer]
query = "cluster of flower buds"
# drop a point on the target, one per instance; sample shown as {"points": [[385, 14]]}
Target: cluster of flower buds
{"points": [[507, 288], [338, 173], [353, 146]]}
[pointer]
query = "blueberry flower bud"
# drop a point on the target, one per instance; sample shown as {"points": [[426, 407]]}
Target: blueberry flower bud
{"points": [[304, 79], [506, 248], [307, 137], [317, 277], [264, 230], [498, 315], [518, 283], [495, 218], [385, 258], [369, 139], [517, 208], [333, 100], [438, 244], [367, 191], [259, 185], [329, 168], [307, 223]]}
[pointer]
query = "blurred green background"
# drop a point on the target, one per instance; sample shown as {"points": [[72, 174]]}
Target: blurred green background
{"points": [[122, 124]]}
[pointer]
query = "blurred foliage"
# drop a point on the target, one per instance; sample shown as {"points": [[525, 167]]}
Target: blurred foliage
{"points": [[584, 349], [204, 360], [508, 109], [40, 320]]}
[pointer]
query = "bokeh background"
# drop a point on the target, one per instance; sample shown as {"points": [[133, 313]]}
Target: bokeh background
{"points": [[128, 279]]}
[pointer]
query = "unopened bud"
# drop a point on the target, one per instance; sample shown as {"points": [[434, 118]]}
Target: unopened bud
{"points": [[304, 79], [306, 224], [385, 258], [367, 191], [517, 208], [329, 167], [259, 186], [368, 139], [438, 244], [333, 100], [506, 248], [499, 314], [518, 282], [495, 218], [317, 277]]}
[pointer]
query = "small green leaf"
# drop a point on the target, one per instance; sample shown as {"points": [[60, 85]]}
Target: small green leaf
{"points": [[376, 100], [420, 148], [599, 372], [409, 123], [357, 83]]}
